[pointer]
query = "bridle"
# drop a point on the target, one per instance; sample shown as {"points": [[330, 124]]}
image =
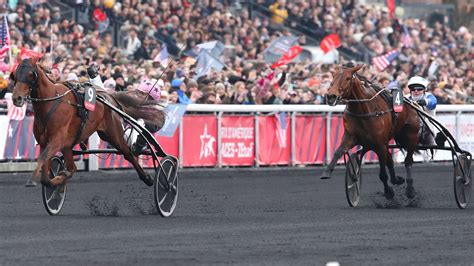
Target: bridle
{"points": [[22, 76], [342, 93]]}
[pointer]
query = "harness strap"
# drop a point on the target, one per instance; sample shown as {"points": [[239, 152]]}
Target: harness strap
{"points": [[81, 111], [373, 114], [52, 110]]}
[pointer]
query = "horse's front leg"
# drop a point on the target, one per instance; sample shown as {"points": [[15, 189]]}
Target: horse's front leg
{"points": [[36, 175], [347, 143], [62, 177], [49, 151]]}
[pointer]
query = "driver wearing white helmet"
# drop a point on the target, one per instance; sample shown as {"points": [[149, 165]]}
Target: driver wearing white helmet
{"points": [[418, 94], [427, 101]]}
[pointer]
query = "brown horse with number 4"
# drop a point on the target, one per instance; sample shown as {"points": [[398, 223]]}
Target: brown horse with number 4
{"points": [[369, 121]]}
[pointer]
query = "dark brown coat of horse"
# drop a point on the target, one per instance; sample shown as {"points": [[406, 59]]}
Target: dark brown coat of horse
{"points": [[368, 122], [57, 124]]}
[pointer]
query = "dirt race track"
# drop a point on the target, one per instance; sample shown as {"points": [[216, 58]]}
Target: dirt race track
{"points": [[273, 216]]}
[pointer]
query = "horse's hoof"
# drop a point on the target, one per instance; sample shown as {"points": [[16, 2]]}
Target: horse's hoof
{"points": [[325, 175], [61, 188], [410, 192], [398, 181], [389, 194], [148, 180], [31, 183]]}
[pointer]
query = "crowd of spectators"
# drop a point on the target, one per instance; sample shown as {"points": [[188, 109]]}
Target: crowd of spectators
{"points": [[366, 31]]}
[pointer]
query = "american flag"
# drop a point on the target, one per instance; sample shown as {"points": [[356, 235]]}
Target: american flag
{"points": [[162, 56], [281, 129], [406, 39], [383, 61], [14, 113], [4, 39]]}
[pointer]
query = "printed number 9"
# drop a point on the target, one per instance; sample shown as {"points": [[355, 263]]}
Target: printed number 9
{"points": [[90, 93]]}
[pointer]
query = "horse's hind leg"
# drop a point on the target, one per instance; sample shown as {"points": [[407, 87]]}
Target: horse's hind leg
{"points": [[120, 144], [383, 155], [410, 190], [396, 180]]}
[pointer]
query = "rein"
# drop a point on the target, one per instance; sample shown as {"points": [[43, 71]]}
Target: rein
{"points": [[48, 99], [376, 88], [361, 100]]}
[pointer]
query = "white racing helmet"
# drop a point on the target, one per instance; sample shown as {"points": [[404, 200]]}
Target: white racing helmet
{"points": [[417, 81]]}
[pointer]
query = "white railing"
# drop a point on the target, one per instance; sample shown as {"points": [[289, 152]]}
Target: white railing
{"points": [[293, 109]]}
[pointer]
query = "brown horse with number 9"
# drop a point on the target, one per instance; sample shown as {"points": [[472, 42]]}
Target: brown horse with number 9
{"points": [[58, 127]]}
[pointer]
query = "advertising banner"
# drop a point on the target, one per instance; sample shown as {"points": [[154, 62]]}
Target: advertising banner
{"points": [[274, 140], [238, 140], [199, 140], [465, 136], [310, 139]]}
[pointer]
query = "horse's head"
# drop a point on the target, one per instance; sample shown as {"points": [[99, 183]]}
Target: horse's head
{"points": [[341, 84], [25, 80]]}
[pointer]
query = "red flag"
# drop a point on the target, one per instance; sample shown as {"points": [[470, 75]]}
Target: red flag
{"points": [[288, 57], [27, 53], [330, 42], [391, 7], [99, 15]]}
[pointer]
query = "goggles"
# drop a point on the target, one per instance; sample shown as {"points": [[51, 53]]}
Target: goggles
{"points": [[417, 88]]}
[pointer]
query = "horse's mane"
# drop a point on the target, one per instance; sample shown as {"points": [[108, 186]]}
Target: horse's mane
{"points": [[46, 74], [370, 84]]}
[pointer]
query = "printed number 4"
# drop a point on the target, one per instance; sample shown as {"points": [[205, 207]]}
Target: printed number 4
{"points": [[397, 99]]}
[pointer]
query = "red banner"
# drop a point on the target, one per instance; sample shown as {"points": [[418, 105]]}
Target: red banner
{"points": [[274, 141], [310, 139], [330, 42], [170, 145], [199, 140], [238, 138], [288, 57]]}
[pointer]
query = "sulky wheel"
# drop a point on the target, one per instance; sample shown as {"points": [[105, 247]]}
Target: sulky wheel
{"points": [[54, 196], [166, 186], [462, 181], [353, 180]]}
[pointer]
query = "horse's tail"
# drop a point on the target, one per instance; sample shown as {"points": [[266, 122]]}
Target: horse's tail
{"points": [[148, 110]]}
